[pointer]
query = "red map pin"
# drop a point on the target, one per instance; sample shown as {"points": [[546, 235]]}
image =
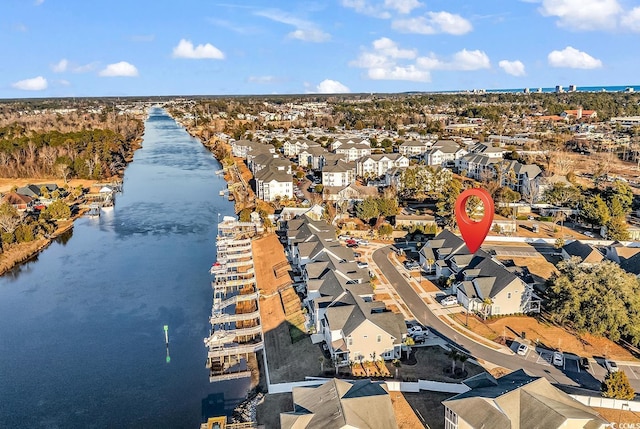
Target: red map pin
{"points": [[474, 232]]}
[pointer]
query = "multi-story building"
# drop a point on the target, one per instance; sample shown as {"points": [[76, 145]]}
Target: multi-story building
{"points": [[379, 165], [339, 173], [444, 152]]}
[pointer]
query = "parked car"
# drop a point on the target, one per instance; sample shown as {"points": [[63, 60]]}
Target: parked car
{"points": [[558, 359], [419, 338], [357, 254], [344, 237], [611, 365], [362, 241], [363, 265], [416, 329], [449, 300], [584, 363], [589, 234], [523, 349], [352, 244], [411, 265]]}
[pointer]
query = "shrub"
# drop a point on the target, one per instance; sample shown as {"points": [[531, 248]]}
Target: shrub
{"points": [[8, 238], [24, 233]]}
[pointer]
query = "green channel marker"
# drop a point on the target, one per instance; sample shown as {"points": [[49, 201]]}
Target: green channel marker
{"points": [[166, 339]]}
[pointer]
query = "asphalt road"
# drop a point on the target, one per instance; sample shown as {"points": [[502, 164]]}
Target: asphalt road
{"points": [[536, 362]]}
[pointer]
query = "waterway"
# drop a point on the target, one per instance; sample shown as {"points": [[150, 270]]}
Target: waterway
{"points": [[81, 326]]}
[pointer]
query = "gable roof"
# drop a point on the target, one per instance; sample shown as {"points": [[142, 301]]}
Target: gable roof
{"points": [[518, 400], [337, 404], [586, 252]]}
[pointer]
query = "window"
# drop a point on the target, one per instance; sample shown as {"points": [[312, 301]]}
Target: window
{"points": [[509, 295], [365, 336], [379, 338], [349, 341]]}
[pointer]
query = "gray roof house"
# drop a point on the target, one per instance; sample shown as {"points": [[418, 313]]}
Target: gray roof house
{"points": [[480, 282], [517, 400], [337, 404], [588, 253]]}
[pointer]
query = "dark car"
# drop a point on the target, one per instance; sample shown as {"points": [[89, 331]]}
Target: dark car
{"points": [[584, 363]]}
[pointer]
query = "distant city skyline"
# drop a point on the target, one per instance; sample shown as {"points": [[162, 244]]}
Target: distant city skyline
{"points": [[193, 47]]}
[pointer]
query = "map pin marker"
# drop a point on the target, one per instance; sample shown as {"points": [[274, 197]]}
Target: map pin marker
{"points": [[474, 232]]}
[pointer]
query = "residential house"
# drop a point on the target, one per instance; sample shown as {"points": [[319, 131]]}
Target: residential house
{"points": [[32, 191], [444, 152], [627, 257], [241, 148], [413, 148], [340, 173], [542, 184], [339, 297], [349, 141], [349, 193], [379, 165], [339, 404], [521, 178], [588, 253], [18, 201], [480, 282], [477, 166], [411, 220], [517, 400], [518, 140]]}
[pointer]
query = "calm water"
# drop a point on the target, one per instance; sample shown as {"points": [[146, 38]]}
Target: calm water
{"points": [[81, 328]]}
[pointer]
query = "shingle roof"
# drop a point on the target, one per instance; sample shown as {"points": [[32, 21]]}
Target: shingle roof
{"points": [[337, 404], [518, 400], [587, 252]]}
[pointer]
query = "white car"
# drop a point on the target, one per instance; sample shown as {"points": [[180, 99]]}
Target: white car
{"points": [[558, 359], [610, 365], [449, 300], [523, 349], [363, 264], [589, 234], [416, 329]]}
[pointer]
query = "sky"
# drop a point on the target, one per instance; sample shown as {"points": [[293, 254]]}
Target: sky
{"points": [[76, 48]]}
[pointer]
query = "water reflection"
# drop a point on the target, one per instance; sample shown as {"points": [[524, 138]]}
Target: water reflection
{"points": [[81, 324]]}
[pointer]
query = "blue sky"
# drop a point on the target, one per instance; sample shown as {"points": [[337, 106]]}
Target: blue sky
{"points": [[55, 48]]}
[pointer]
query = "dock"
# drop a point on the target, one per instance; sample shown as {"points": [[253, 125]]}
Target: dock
{"points": [[236, 331]]}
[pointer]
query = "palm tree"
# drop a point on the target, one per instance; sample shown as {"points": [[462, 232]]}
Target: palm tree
{"points": [[454, 355], [396, 364], [430, 262], [463, 358], [486, 307]]}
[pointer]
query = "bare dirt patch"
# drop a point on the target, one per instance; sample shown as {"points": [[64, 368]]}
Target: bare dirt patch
{"points": [[405, 417], [547, 335]]}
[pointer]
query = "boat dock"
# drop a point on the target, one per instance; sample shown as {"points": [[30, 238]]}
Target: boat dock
{"points": [[236, 331]]}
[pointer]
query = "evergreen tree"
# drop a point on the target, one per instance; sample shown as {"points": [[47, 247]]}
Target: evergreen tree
{"points": [[616, 386]]}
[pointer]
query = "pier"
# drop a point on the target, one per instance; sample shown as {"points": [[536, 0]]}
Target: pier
{"points": [[236, 331]]}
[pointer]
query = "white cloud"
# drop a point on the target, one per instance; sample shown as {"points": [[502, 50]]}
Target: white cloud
{"points": [[366, 8], [631, 20], [402, 6], [434, 23], [60, 66], [572, 58], [329, 86], [410, 73], [387, 61], [38, 2], [34, 84], [122, 68], [304, 30], [514, 68], [389, 48], [583, 14], [185, 49], [470, 60], [63, 82]]}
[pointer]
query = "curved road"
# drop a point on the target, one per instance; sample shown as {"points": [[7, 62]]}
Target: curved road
{"points": [[424, 315]]}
